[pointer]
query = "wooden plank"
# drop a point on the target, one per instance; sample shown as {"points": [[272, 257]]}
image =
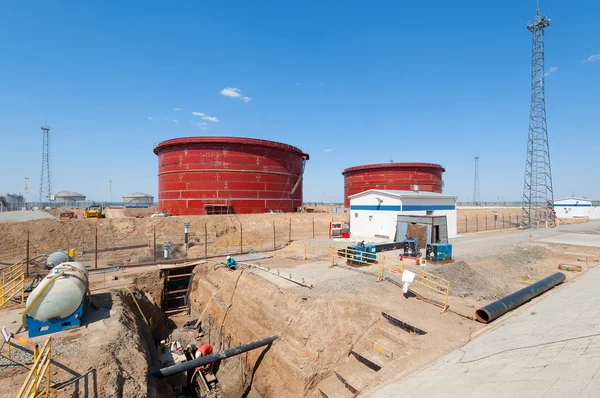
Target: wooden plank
{"points": [[178, 291], [176, 297], [178, 276]]}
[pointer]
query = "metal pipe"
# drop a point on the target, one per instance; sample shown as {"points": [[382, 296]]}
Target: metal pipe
{"points": [[301, 283], [500, 307], [230, 352]]}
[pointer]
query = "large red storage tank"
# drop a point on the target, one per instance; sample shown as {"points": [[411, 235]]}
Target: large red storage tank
{"points": [[228, 175], [392, 176]]}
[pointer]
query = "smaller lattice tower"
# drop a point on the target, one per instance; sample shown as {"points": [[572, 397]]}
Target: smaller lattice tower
{"points": [[46, 175], [476, 193]]}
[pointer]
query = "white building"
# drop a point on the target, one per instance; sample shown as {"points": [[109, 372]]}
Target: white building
{"points": [[374, 213], [68, 197], [138, 199], [577, 208]]}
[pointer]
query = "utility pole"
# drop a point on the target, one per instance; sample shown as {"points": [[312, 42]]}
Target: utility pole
{"points": [[538, 194], [109, 192], [476, 193]]}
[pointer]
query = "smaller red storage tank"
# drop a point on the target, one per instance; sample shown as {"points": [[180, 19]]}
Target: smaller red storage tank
{"points": [[392, 176]]}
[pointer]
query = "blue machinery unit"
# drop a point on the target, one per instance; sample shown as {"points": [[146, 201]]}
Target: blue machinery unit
{"points": [[411, 247], [366, 254], [438, 252], [39, 328]]}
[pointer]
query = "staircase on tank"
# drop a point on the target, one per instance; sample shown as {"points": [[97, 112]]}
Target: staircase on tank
{"points": [[384, 343]]}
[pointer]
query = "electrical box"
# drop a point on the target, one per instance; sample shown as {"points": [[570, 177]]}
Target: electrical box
{"points": [[438, 251], [411, 247]]}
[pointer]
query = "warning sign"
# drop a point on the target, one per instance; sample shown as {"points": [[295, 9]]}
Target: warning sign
{"points": [[5, 333]]}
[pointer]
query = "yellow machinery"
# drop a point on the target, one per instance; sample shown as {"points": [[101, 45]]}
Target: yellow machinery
{"points": [[67, 215], [94, 211]]}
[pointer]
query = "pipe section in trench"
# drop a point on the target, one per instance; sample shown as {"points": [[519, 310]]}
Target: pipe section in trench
{"points": [[230, 352], [500, 307]]}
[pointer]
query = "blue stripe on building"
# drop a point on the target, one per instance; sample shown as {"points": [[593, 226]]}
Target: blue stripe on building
{"points": [[427, 207], [375, 207], [573, 205], [404, 208]]}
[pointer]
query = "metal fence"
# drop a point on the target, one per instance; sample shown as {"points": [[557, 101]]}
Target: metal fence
{"points": [[486, 222], [99, 248]]}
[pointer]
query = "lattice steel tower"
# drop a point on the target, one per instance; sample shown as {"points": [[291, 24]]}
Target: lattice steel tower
{"points": [[538, 196], [476, 193], [45, 179]]}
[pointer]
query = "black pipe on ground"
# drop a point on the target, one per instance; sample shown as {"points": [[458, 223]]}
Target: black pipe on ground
{"points": [[500, 307], [230, 352]]}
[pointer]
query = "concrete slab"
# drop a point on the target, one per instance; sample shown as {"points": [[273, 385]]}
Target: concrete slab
{"points": [[576, 239], [550, 348], [312, 273], [253, 257], [20, 216]]}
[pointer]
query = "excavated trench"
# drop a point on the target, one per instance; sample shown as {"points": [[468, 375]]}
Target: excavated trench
{"points": [[328, 346]]}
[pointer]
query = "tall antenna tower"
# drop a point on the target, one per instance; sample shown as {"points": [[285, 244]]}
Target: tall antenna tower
{"points": [[25, 191], [476, 193], [538, 195], [45, 178]]}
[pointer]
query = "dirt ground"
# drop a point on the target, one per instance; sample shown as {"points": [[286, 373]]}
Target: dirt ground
{"points": [[112, 354], [130, 240], [318, 328]]}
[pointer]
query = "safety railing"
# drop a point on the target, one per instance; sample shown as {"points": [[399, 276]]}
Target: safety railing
{"points": [[13, 283], [422, 277], [10, 337], [32, 387], [11, 272]]}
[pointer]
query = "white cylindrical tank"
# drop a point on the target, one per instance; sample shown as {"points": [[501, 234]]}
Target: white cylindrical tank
{"points": [[60, 293], [56, 258]]}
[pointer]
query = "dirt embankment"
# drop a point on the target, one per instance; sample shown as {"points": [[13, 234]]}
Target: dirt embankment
{"points": [[315, 333], [137, 234]]}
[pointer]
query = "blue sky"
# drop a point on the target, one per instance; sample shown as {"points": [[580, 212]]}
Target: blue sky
{"points": [[348, 82]]}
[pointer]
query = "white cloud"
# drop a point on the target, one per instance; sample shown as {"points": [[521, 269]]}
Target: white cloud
{"points": [[235, 92], [593, 58], [202, 125], [551, 70], [177, 109], [328, 150], [150, 118], [206, 117], [176, 121]]}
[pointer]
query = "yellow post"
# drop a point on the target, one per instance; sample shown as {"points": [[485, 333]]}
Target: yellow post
{"points": [[305, 251], [23, 290], [48, 368], [331, 254]]}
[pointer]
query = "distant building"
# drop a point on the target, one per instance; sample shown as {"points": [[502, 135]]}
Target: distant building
{"points": [[138, 199], [10, 202], [68, 198], [577, 208]]}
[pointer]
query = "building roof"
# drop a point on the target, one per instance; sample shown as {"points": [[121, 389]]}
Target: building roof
{"points": [[407, 194], [138, 195], [68, 194]]}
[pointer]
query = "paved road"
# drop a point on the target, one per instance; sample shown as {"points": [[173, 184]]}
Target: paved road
{"points": [[481, 242], [550, 349]]}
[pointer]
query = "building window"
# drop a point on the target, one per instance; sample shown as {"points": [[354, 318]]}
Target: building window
{"points": [[430, 212], [355, 215]]}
